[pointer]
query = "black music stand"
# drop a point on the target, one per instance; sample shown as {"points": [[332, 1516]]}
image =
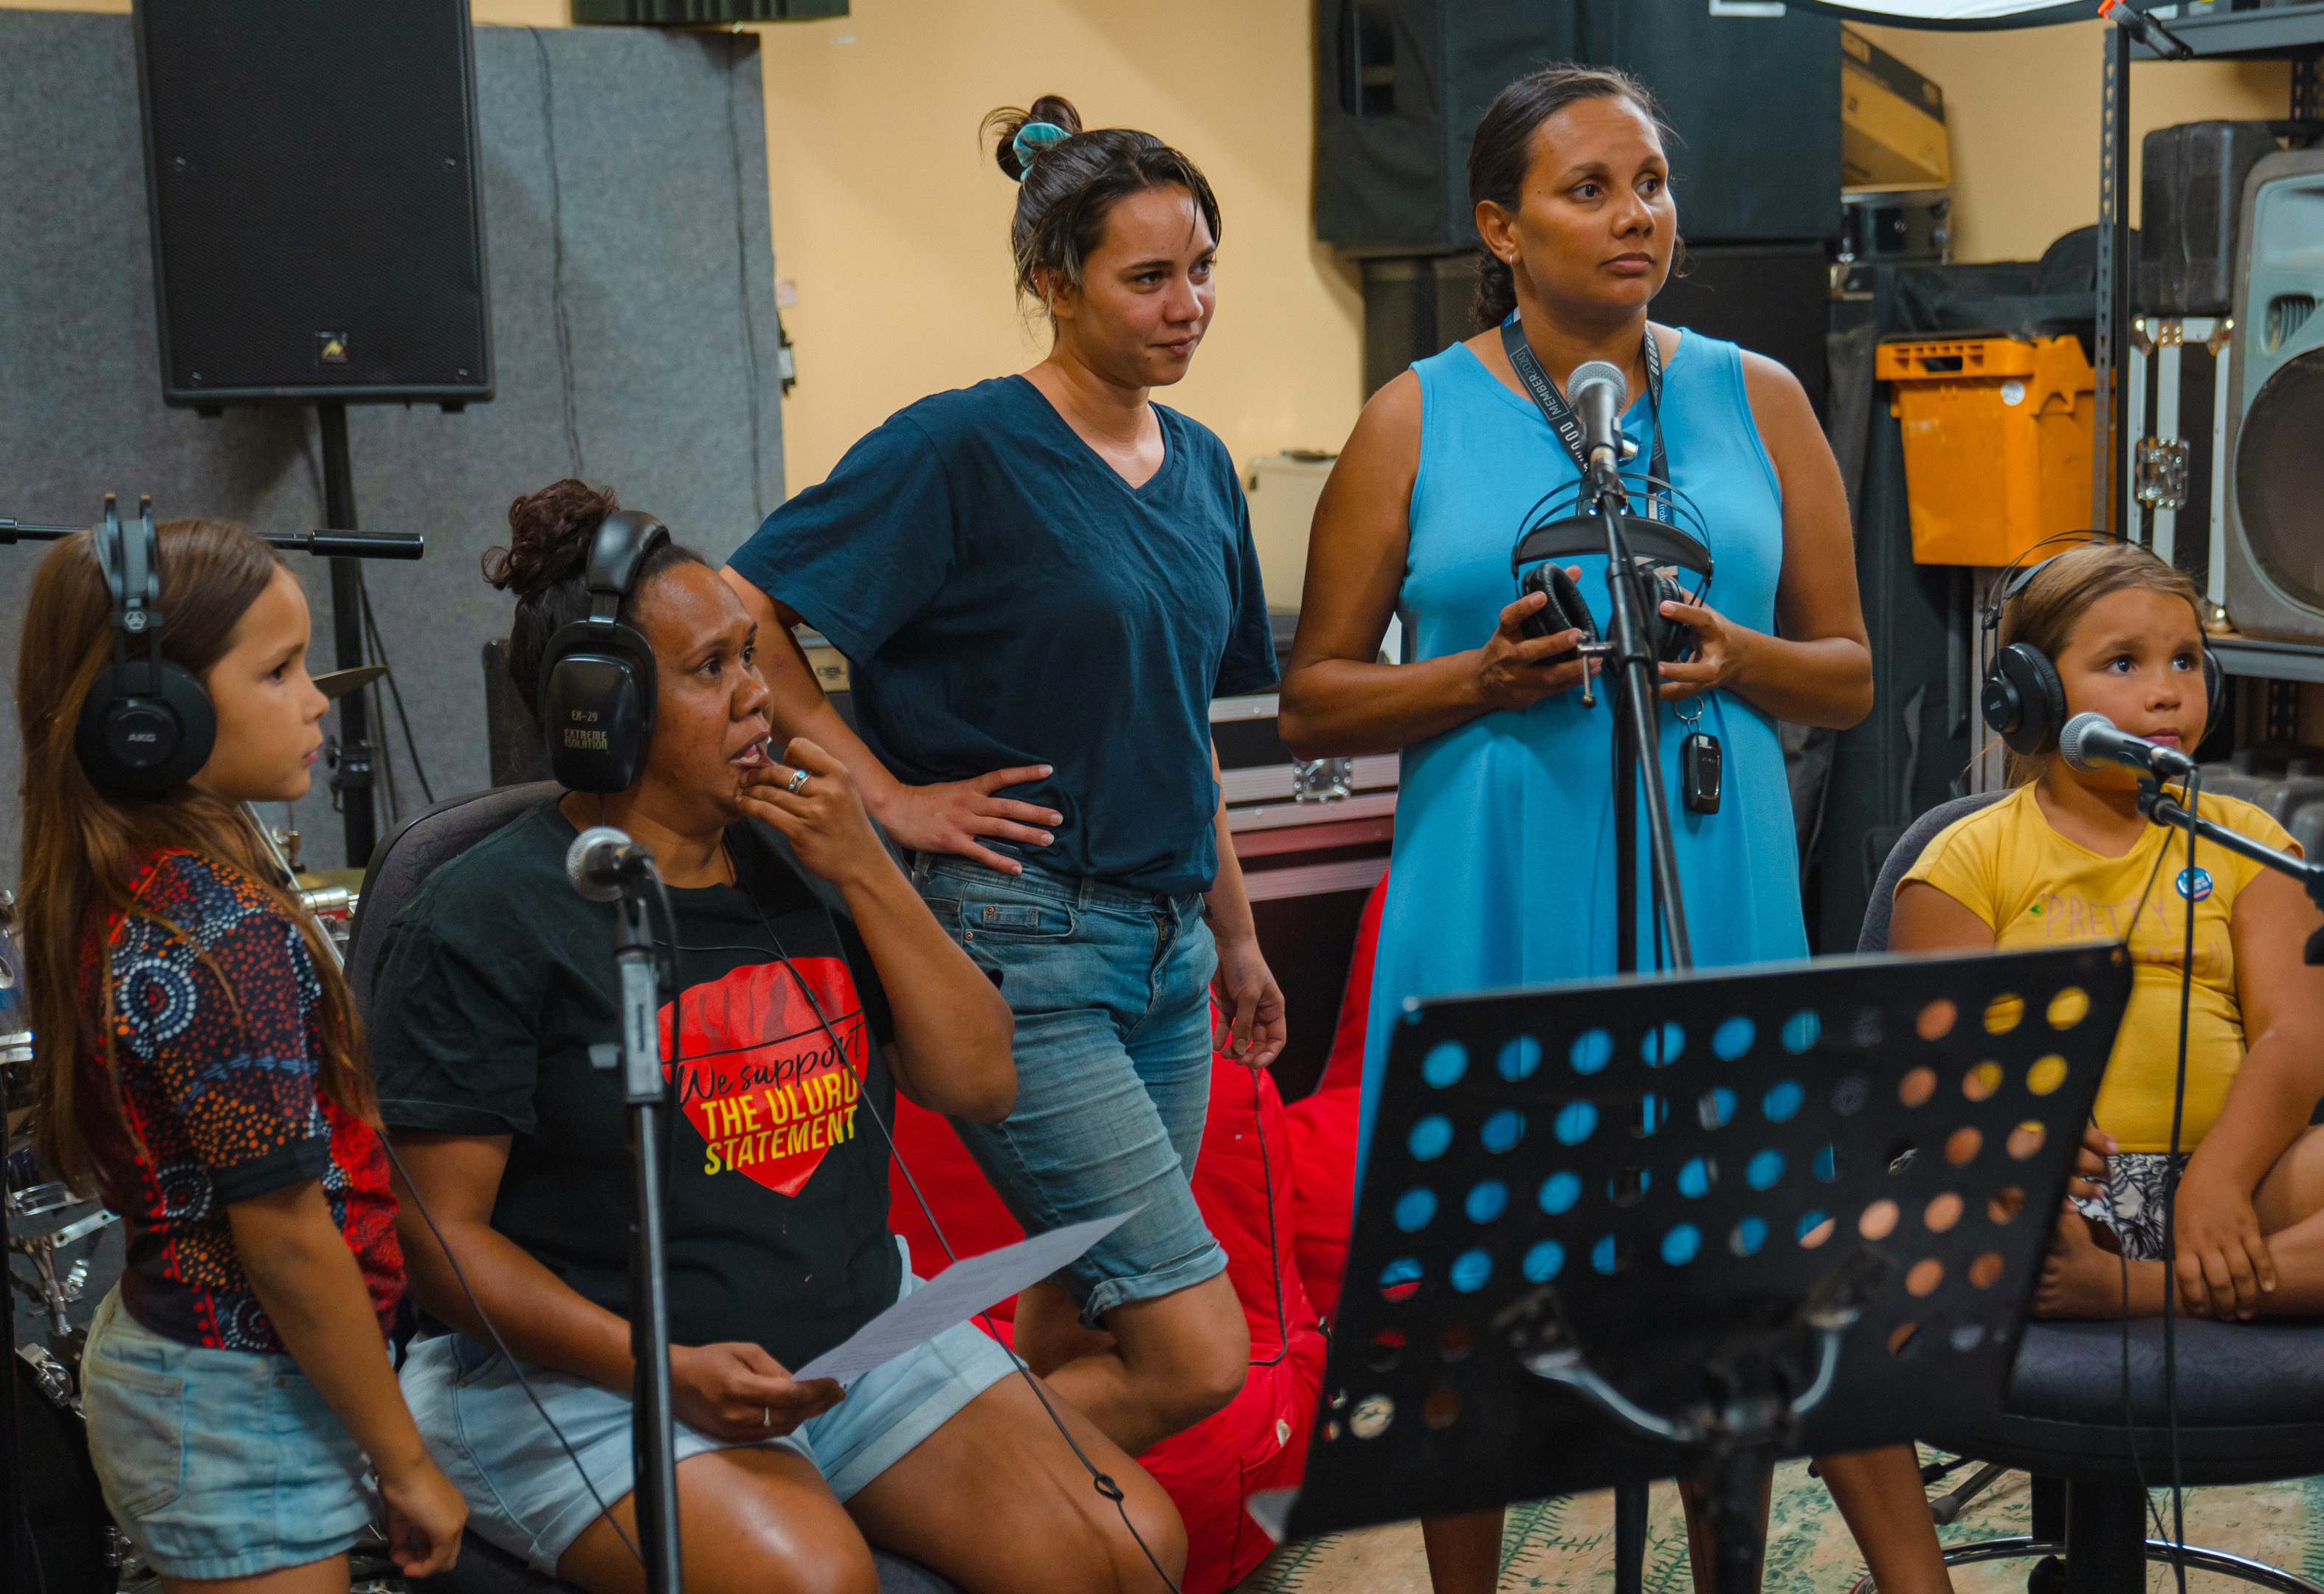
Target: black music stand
{"points": [[1711, 1201]]}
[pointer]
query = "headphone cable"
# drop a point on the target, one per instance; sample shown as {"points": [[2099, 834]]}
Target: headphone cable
{"points": [[2191, 888], [1100, 1480], [516, 1364]]}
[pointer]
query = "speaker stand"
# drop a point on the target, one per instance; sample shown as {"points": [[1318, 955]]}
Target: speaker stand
{"points": [[351, 778]]}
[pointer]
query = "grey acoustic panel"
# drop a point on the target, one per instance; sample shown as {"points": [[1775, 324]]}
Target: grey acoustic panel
{"points": [[634, 331]]}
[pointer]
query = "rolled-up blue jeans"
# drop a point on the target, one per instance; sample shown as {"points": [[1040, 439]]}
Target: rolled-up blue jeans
{"points": [[1111, 991]]}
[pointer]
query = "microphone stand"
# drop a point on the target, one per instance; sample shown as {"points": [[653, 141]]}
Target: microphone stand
{"points": [[1638, 729], [2163, 810], [646, 1088]]}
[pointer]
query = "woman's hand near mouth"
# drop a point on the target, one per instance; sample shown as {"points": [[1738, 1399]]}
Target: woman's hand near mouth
{"points": [[824, 820], [953, 1030]]}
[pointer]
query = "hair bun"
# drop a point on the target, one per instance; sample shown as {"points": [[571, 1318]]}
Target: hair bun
{"points": [[1009, 121], [550, 535]]}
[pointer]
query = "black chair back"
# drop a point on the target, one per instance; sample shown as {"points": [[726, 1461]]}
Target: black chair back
{"points": [[1905, 854], [410, 852]]}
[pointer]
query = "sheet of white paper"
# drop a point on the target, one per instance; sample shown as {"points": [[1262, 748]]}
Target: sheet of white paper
{"points": [[956, 1294]]}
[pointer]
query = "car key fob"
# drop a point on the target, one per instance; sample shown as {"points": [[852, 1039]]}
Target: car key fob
{"points": [[1698, 773]]}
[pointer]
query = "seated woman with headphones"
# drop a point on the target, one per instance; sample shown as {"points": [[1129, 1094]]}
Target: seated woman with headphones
{"points": [[2066, 856], [812, 986]]}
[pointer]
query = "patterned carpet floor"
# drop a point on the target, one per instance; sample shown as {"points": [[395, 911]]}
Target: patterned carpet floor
{"points": [[1567, 1545]]}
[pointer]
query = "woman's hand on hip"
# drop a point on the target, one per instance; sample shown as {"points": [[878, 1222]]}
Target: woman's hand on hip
{"points": [[1514, 670], [1719, 646], [812, 799], [738, 1393], [1250, 1002], [948, 816]]}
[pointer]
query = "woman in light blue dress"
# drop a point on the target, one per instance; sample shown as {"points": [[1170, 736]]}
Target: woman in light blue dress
{"points": [[1503, 867]]}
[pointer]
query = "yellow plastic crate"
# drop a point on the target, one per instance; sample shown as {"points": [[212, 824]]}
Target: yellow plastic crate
{"points": [[1997, 442]]}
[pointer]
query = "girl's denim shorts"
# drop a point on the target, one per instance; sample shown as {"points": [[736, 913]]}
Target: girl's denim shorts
{"points": [[217, 1464]]}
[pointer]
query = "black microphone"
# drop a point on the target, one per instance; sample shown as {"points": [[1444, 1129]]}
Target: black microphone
{"points": [[2091, 742], [602, 860], [1598, 392]]}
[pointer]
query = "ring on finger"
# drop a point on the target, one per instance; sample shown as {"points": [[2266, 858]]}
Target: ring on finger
{"points": [[766, 1416], [798, 782]]}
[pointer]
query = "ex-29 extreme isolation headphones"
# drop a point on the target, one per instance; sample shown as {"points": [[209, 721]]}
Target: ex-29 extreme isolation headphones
{"points": [[146, 726], [597, 678], [2023, 700]]}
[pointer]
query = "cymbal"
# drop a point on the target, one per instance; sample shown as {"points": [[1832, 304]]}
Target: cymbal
{"points": [[338, 683]]}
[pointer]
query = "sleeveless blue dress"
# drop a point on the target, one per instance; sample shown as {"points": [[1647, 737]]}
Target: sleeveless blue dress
{"points": [[1502, 872]]}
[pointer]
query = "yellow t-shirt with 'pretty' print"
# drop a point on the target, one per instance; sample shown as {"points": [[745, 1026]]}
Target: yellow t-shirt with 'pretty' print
{"points": [[2007, 865]]}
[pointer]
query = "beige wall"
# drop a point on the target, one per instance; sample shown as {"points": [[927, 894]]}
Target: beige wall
{"points": [[2021, 108], [893, 221]]}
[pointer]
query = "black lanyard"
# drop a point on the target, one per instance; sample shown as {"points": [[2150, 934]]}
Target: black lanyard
{"points": [[1560, 415]]}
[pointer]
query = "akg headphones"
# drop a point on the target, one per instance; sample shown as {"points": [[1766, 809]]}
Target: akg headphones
{"points": [[2023, 700], [146, 726], [597, 678]]}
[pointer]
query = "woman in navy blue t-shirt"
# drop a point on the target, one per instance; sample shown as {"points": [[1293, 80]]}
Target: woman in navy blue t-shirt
{"points": [[1039, 582]]}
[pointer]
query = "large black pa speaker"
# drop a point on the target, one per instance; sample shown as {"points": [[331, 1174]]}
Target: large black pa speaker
{"points": [[311, 171], [1755, 100]]}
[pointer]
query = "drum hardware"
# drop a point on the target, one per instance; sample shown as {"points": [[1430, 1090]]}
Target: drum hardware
{"points": [[334, 906], [52, 1378], [52, 1294], [38, 1200]]}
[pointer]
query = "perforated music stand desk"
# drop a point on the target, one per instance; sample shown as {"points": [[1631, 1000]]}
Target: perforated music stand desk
{"points": [[1653, 1163]]}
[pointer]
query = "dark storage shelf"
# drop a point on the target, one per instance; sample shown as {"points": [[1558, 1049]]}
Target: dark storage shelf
{"points": [[2274, 661], [2268, 31]]}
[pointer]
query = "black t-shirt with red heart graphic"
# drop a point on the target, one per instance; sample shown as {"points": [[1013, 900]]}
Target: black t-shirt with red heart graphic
{"points": [[497, 978]]}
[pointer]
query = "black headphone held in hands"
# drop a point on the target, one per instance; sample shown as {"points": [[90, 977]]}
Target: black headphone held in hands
{"points": [[1669, 640], [597, 678], [146, 726], [2023, 700]]}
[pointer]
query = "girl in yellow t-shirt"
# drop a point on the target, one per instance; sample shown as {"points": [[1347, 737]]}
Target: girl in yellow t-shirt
{"points": [[2066, 856]]}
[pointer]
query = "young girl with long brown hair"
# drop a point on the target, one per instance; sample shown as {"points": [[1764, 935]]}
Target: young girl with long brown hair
{"points": [[202, 1069]]}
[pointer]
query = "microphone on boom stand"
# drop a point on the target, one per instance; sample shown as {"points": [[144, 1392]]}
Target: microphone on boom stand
{"points": [[1598, 392], [603, 862], [2092, 742], [605, 865]]}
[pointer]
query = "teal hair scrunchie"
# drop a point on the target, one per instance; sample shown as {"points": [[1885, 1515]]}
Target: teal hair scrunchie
{"points": [[1031, 140]]}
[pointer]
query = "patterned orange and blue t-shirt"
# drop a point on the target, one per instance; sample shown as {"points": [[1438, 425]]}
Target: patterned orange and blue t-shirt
{"points": [[216, 1015]]}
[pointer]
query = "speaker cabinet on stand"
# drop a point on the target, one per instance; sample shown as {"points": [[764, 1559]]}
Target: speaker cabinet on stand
{"points": [[312, 182]]}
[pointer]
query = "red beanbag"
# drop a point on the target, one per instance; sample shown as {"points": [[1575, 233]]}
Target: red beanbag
{"points": [[1323, 1131], [1259, 1441]]}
